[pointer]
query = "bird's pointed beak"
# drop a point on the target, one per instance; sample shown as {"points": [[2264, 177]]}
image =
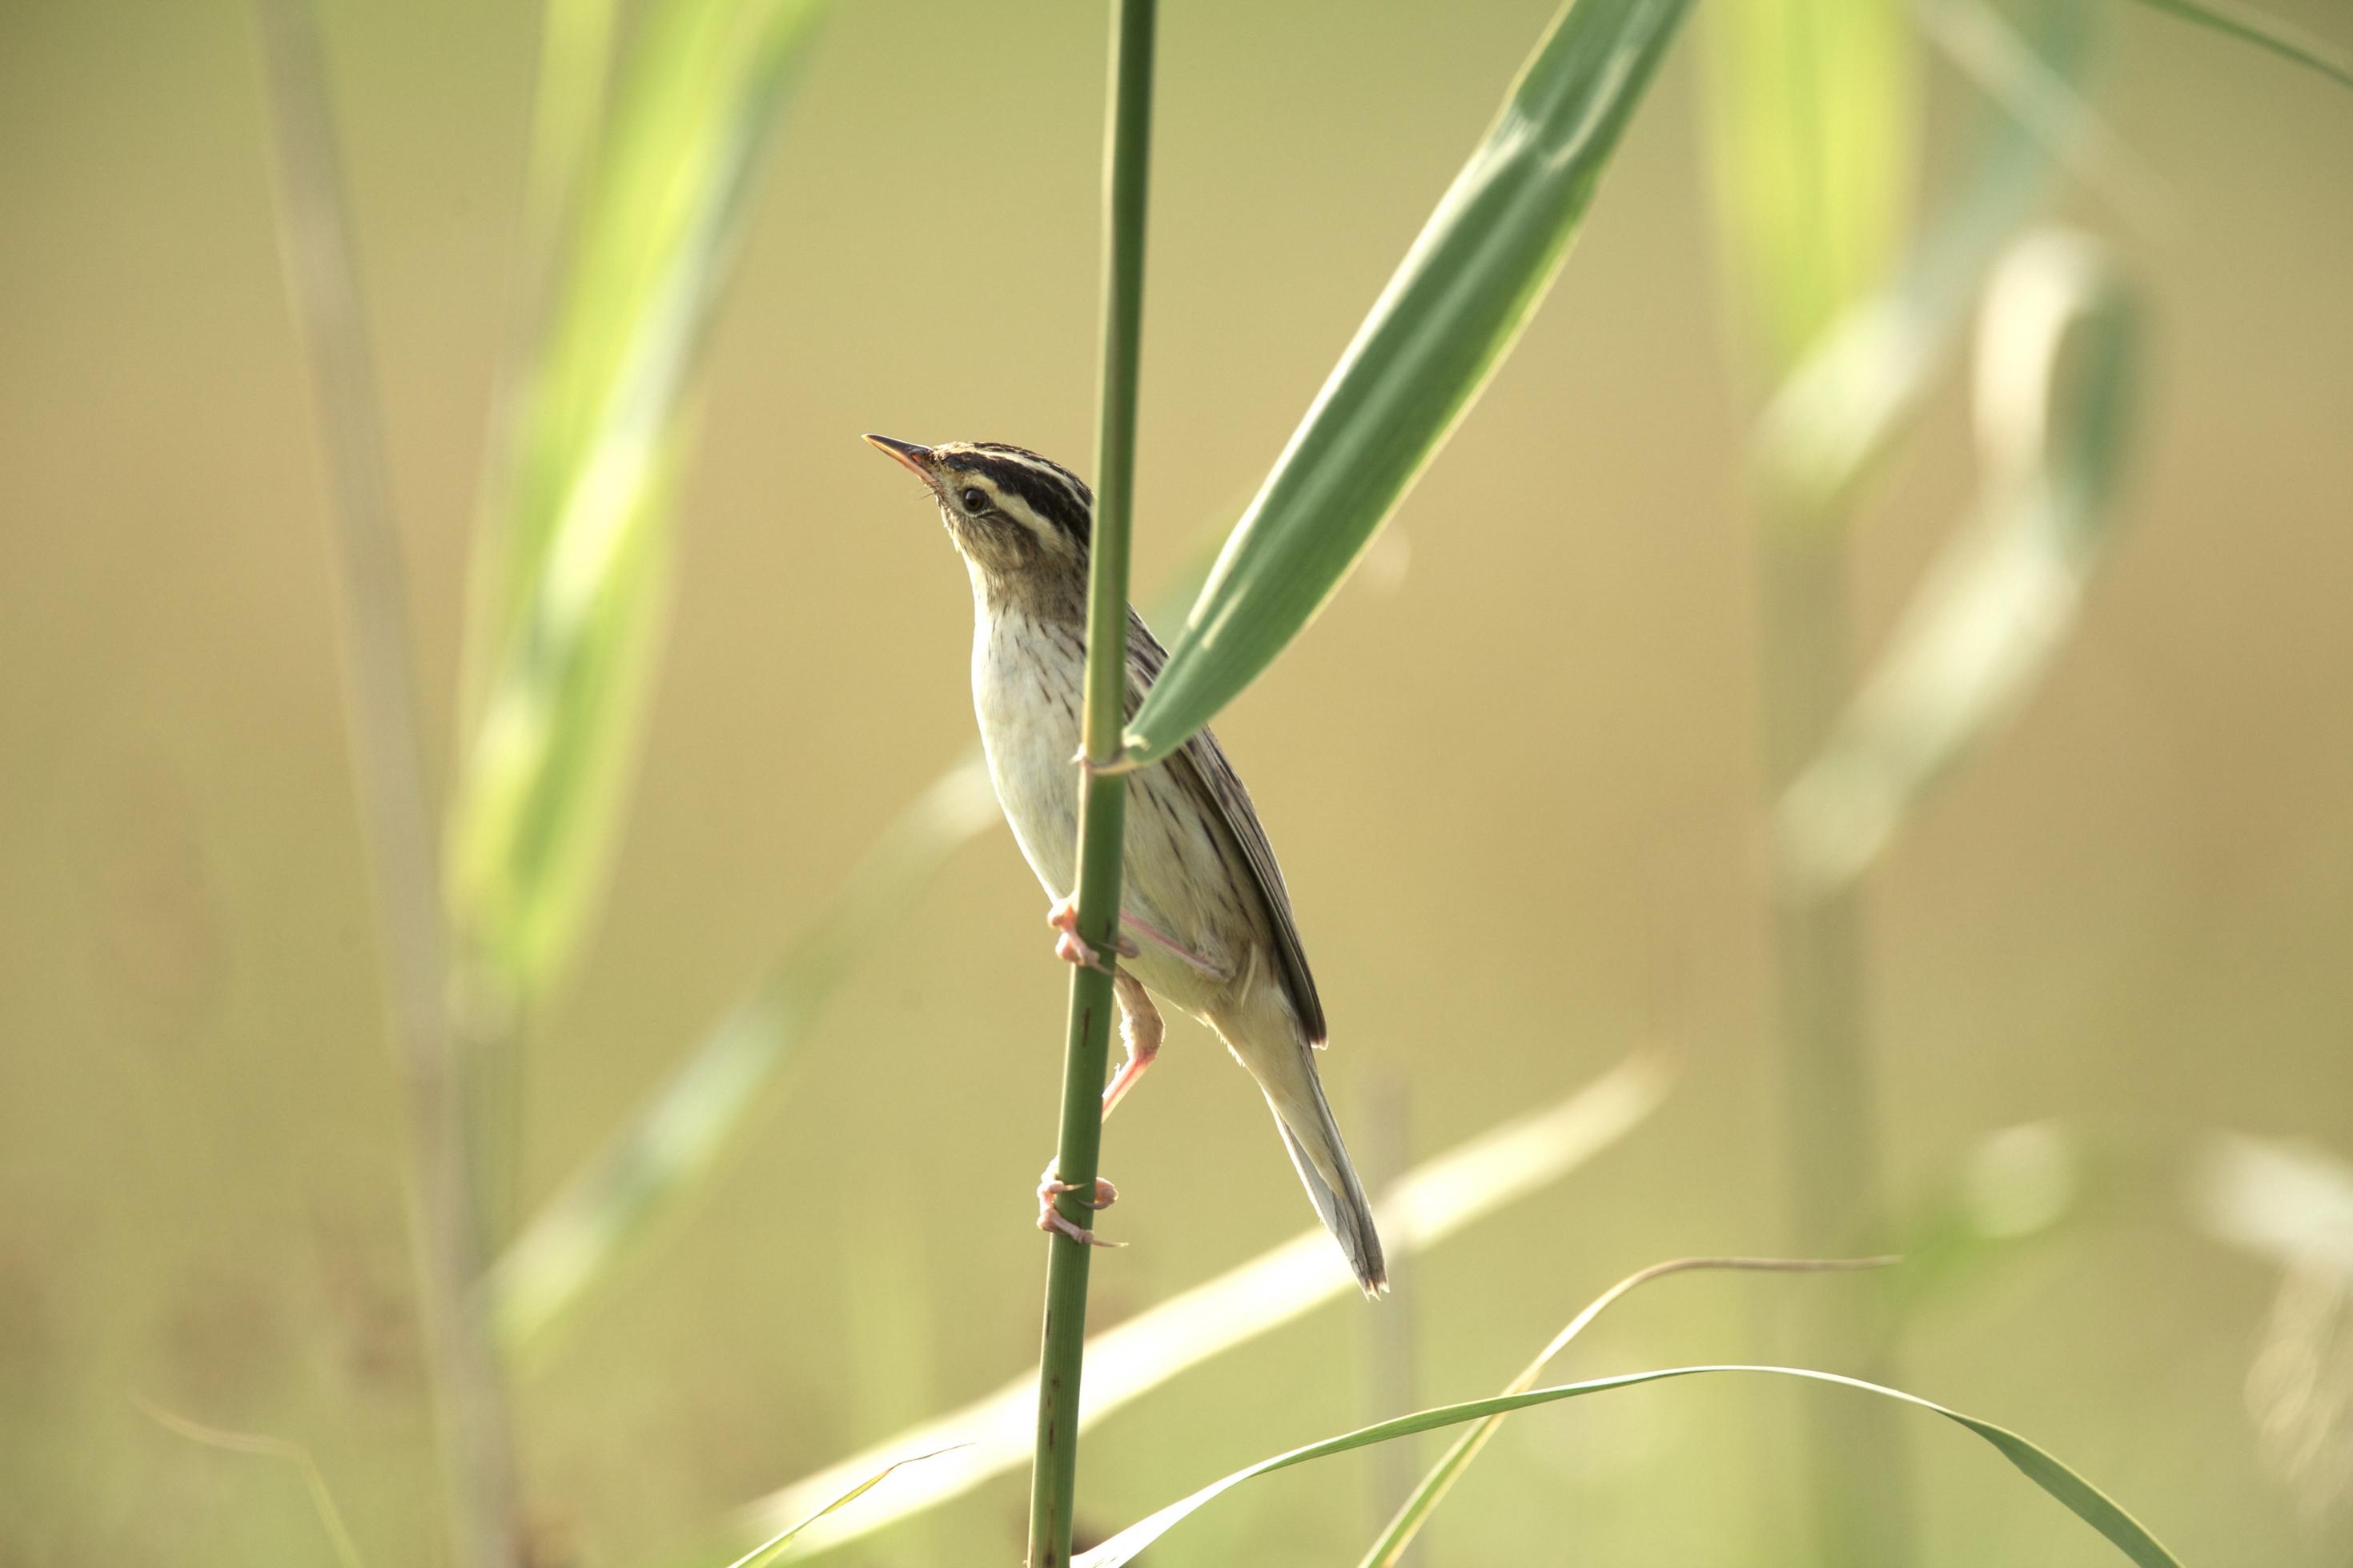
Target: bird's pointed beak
{"points": [[916, 459]]}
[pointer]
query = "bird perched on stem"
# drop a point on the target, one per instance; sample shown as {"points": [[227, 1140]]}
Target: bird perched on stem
{"points": [[1205, 920]]}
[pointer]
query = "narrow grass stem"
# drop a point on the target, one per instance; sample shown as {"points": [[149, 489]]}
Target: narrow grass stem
{"points": [[395, 816], [1827, 1093], [1103, 798]]}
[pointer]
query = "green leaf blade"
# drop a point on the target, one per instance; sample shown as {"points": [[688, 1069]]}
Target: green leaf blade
{"points": [[1449, 315]]}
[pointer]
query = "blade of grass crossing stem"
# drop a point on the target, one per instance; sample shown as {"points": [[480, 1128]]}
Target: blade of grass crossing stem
{"points": [[572, 567], [2056, 356], [1103, 798], [1449, 315], [1417, 1509], [2080, 1496], [1429, 1204], [2251, 26], [1814, 105]]}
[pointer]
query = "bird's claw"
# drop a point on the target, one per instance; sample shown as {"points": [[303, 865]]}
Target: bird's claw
{"points": [[1074, 949], [1051, 1219], [1049, 1188]]}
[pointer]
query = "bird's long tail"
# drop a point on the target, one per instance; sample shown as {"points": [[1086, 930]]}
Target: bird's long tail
{"points": [[1321, 1157]]}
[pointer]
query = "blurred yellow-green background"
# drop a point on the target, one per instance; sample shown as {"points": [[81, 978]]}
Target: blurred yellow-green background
{"points": [[1512, 773]]}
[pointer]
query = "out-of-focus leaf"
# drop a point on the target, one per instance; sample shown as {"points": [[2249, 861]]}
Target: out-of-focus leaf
{"points": [[2010, 1193], [2289, 1202], [679, 1138], [1865, 376], [2032, 77], [2251, 26], [2080, 1498], [770, 1549], [1427, 1204], [575, 48], [1417, 1507], [1813, 109], [572, 562], [1452, 311], [2056, 354]]}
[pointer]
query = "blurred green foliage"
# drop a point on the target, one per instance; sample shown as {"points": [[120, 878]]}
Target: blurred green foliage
{"points": [[573, 570], [2139, 915]]}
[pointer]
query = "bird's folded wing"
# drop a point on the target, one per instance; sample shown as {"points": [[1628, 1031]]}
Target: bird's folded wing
{"points": [[1200, 765]]}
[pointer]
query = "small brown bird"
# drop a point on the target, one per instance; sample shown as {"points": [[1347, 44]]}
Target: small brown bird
{"points": [[1207, 919]]}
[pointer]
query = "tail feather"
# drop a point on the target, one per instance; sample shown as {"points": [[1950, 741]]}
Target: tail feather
{"points": [[1313, 1138]]}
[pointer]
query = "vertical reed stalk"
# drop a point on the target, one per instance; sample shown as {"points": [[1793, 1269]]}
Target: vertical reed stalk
{"points": [[1102, 803], [1860, 1474], [395, 814]]}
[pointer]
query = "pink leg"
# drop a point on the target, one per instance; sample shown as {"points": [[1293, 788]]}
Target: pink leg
{"points": [[1049, 1218], [1163, 940], [1140, 1028], [1064, 918]]}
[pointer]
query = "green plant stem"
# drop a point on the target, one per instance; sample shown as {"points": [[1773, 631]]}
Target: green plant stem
{"points": [[1103, 799], [1829, 1099]]}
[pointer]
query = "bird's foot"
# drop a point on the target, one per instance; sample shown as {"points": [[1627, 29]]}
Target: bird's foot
{"points": [[1051, 1219], [1074, 949]]}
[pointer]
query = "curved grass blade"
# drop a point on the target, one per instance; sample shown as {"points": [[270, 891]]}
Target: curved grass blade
{"points": [[571, 571], [2057, 349], [1814, 107], [331, 1518], [2251, 26], [1449, 315], [2080, 1496], [768, 1550], [1417, 1509], [1429, 1204]]}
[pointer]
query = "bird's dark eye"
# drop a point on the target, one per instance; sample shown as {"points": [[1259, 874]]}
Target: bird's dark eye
{"points": [[976, 500]]}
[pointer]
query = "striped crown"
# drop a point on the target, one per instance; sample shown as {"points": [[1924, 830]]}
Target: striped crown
{"points": [[1047, 488]]}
